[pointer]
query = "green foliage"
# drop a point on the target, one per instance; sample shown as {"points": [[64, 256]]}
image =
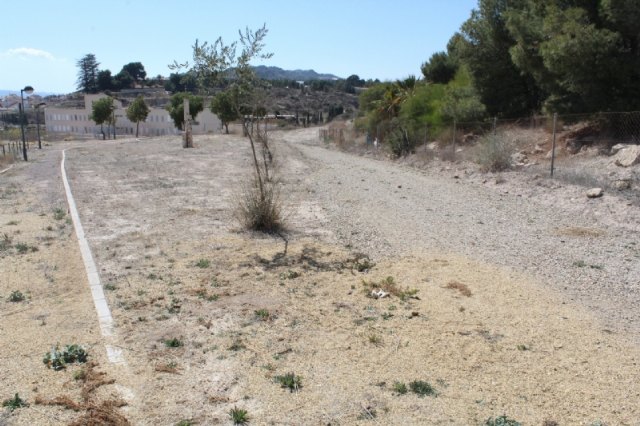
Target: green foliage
{"points": [[400, 388], [87, 73], [176, 107], [440, 68], [174, 342], [483, 45], [14, 403], [289, 381], [17, 296], [501, 421], [422, 388], [461, 101], [135, 70], [224, 106], [239, 416], [102, 112], [262, 314], [203, 263], [58, 360], [137, 111], [59, 214]]}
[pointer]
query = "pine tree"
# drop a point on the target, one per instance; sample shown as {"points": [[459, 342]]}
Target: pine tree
{"points": [[88, 74]]}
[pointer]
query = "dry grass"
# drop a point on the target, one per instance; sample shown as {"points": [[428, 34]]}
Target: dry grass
{"points": [[260, 210], [460, 287], [94, 412]]}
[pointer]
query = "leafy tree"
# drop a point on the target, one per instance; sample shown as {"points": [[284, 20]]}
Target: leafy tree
{"points": [[137, 112], [102, 112], [87, 74], [223, 106], [439, 69], [181, 82], [105, 81], [123, 80], [136, 71], [176, 107]]}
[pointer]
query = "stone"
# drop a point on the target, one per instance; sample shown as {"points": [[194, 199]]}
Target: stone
{"points": [[621, 184], [595, 193], [617, 147], [538, 149], [519, 158], [628, 156]]}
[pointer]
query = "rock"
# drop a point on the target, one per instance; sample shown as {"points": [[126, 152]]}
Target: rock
{"points": [[538, 149], [573, 146], [519, 158], [549, 155], [595, 193], [621, 184], [617, 147], [628, 156]]}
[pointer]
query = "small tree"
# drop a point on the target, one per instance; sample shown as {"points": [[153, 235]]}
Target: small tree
{"points": [[176, 108], [137, 112], [102, 112], [223, 106]]}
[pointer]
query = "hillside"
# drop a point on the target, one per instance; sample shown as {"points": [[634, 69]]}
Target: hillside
{"points": [[275, 73]]}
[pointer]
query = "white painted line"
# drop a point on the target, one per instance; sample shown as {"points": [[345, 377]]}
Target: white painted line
{"points": [[97, 292]]}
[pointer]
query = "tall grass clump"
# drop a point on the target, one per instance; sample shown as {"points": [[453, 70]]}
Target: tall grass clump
{"points": [[260, 210], [494, 153]]}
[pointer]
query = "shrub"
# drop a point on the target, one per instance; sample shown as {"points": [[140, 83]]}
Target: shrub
{"points": [[260, 210], [289, 381], [501, 421], [422, 388], [239, 416], [17, 296], [15, 402], [400, 388], [58, 360], [494, 153], [173, 343]]}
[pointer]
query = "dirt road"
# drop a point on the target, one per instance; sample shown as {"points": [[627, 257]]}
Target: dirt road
{"points": [[557, 235]]}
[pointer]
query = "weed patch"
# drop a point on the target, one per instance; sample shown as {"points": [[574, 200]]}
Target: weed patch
{"points": [[289, 381], [58, 360], [239, 416], [501, 421], [422, 388], [388, 286], [14, 403], [17, 296], [494, 153], [174, 342]]}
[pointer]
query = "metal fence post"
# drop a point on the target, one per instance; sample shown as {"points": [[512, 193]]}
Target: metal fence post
{"points": [[453, 152], [553, 144]]}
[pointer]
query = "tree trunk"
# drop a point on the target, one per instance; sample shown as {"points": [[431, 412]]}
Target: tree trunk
{"points": [[104, 137], [137, 127], [188, 138], [226, 127]]}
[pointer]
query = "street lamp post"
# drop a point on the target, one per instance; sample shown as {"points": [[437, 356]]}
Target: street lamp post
{"points": [[37, 107], [28, 90]]}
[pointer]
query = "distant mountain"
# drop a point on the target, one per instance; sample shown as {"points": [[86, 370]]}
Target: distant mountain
{"points": [[275, 73]]}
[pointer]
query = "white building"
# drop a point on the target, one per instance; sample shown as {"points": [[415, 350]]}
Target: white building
{"points": [[77, 121]]}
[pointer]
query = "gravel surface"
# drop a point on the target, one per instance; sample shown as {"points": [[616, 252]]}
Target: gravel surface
{"points": [[587, 249]]}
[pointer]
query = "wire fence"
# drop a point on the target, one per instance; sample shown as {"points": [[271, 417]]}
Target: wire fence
{"points": [[11, 141]]}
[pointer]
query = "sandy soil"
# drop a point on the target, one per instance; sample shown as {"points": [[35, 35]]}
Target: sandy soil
{"points": [[237, 311]]}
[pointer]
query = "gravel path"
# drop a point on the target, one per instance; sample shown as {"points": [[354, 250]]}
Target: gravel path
{"points": [[554, 234]]}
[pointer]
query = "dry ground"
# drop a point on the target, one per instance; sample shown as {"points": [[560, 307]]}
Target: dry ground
{"points": [[239, 312]]}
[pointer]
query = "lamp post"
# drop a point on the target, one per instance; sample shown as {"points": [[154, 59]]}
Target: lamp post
{"points": [[37, 107], [28, 90]]}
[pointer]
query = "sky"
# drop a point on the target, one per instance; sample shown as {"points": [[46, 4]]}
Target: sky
{"points": [[42, 40]]}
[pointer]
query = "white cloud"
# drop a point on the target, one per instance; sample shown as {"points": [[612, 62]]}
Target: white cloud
{"points": [[25, 52]]}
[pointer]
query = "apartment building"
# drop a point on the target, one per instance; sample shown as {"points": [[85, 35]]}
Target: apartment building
{"points": [[77, 121]]}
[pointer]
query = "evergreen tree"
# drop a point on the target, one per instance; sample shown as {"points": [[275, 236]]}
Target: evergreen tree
{"points": [[87, 74]]}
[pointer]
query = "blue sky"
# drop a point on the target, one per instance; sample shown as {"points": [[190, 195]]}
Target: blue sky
{"points": [[42, 40]]}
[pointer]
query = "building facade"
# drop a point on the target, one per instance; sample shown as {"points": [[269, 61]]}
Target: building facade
{"points": [[77, 121]]}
